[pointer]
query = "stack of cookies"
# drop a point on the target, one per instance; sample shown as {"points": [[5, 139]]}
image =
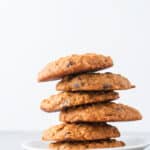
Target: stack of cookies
{"points": [[85, 103]]}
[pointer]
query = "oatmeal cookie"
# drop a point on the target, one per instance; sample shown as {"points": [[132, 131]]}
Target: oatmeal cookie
{"points": [[74, 64], [69, 99], [94, 82], [110, 143], [80, 132], [105, 112]]}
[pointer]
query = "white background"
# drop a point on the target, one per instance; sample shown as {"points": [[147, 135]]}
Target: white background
{"points": [[34, 32]]}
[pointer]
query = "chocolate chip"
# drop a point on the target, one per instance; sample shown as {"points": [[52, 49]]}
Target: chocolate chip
{"points": [[107, 86], [70, 63], [67, 133], [110, 114], [76, 85], [108, 73]]}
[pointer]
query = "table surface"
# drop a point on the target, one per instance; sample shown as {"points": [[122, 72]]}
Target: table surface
{"points": [[13, 139]]}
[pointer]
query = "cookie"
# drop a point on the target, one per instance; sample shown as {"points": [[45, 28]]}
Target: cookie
{"points": [[94, 82], [70, 99], [100, 113], [110, 143], [74, 64], [80, 132]]}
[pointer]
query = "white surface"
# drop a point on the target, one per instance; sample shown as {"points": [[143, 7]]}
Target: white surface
{"points": [[12, 140], [34, 32], [133, 142]]}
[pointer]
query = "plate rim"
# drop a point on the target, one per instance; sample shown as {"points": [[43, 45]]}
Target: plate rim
{"points": [[146, 143]]}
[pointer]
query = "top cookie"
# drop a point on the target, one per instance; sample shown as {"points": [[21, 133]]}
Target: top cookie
{"points": [[94, 82], [74, 64]]}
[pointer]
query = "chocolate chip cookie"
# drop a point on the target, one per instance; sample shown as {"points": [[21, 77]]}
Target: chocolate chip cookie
{"points": [[80, 132], [94, 82], [105, 112], [74, 64], [70, 99], [109, 143]]}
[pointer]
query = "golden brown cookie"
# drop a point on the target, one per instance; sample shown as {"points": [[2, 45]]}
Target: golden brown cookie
{"points": [[80, 132], [100, 113], [70, 99], [109, 143], [74, 64], [94, 82]]}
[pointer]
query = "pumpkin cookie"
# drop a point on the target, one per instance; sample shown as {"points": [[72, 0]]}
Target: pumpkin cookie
{"points": [[109, 143], [80, 132], [100, 113], [94, 82], [74, 64], [70, 99]]}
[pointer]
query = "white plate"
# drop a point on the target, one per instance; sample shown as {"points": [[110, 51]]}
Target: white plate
{"points": [[132, 143]]}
